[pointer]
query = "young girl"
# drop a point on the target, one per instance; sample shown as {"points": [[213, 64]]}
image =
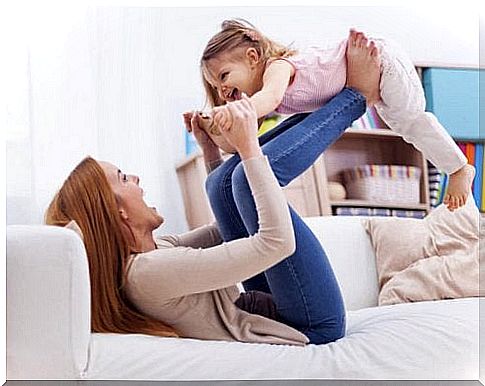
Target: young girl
{"points": [[239, 59]]}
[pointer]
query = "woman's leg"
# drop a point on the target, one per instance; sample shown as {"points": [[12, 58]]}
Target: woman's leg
{"points": [[219, 186], [304, 287], [292, 148], [219, 191], [231, 227]]}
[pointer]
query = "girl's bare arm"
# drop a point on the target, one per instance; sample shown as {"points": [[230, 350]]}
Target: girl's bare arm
{"points": [[276, 79]]}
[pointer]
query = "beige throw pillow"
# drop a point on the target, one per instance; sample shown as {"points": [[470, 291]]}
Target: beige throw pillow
{"points": [[429, 259]]}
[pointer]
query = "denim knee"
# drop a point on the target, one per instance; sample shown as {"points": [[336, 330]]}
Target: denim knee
{"points": [[213, 183], [239, 176], [240, 185], [328, 332]]}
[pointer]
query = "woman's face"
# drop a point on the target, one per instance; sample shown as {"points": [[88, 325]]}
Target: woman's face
{"points": [[131, 205]]}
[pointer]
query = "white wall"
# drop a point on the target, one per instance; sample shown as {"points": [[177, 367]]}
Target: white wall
{"points": [[113, 82], [431, 34]]}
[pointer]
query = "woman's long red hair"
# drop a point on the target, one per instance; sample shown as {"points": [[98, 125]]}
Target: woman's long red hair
{"points": [[87, 198]]}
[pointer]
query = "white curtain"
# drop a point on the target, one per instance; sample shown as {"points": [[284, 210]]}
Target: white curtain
{"points": [[94, 81]]}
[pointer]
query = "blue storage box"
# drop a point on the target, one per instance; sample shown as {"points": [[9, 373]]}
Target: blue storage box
{"points": [[453, 96]]}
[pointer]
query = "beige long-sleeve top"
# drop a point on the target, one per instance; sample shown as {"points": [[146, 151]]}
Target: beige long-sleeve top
{"points": [[189, 281]]}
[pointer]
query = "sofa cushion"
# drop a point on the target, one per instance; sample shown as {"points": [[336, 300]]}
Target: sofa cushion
{"points": [[351, 255], [425, 340], [433, 258]]}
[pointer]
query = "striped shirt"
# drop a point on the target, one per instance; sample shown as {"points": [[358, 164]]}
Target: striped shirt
{"points": [[320, 74]]}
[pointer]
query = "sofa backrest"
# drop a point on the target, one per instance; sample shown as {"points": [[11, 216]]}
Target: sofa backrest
{"points": [[350, 252], [48, 303]]}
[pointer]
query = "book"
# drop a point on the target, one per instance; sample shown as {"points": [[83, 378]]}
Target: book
{"points": [[470, 152], [370, 120], [409, 213], [382, 212], [350, 211], [434, 181], [477, 184], [482, 207], [361, 211], [442, 188], [462, 147], [375, 118]]}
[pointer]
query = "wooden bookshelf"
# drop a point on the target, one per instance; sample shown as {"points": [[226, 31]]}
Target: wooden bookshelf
{"points": [[368, 146]]}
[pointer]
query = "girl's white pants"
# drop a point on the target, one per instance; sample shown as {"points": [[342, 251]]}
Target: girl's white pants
{"points": [[402, 109]]}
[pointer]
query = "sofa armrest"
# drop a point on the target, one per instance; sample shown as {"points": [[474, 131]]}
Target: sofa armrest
{"points": [[48, 303]]}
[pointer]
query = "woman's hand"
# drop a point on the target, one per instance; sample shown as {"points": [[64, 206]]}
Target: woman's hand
{"points": [[222, 117], [242, 133]]}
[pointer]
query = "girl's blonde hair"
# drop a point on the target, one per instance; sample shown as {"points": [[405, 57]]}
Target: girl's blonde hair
{"points": [[238, 33], [87, 198]]}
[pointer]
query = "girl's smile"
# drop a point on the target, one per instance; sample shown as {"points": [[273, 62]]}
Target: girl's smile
{"points": [[232, 73]]}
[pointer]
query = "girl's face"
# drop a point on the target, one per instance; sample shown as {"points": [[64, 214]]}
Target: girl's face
{"points": [[234, 72]]}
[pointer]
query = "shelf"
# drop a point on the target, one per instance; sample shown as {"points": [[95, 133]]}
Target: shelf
{"points": [[188, 159], [197, 154], [437, 64], [374, 204], [474, 140], [359, 133]]}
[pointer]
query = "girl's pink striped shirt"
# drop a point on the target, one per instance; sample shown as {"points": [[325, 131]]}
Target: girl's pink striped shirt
{"points": [[320, 74]]}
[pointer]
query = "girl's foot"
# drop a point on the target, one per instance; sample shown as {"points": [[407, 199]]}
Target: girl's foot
{"points": [[363, 66], [459, 187], [207, 124]]}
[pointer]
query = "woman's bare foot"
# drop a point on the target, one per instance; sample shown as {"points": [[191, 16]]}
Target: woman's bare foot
{"points": [[459, 187], [363, 66]]}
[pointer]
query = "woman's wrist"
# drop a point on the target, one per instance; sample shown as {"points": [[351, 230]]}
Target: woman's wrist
{"points": [[210, 150], [250, 150], [210, 166], [212, 157]]}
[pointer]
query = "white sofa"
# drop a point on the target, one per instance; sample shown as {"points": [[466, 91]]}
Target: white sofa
{"points": [[48, 328]]}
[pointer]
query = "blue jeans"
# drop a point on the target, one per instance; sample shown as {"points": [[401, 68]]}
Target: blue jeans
{"points": [[303, 286]]}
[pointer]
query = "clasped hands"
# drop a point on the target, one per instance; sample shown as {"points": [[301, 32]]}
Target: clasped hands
{"points": [[236, 122]]}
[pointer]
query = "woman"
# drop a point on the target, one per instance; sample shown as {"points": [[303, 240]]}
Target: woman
{"points": [[186, 285]]}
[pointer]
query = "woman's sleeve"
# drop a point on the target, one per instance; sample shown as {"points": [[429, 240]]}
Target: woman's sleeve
{"points": [[179, 271], [202, 237]]}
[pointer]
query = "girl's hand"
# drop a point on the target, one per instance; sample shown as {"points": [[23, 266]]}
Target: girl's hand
{"points": [[187, 118], [212, 155], [242, 134]]}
